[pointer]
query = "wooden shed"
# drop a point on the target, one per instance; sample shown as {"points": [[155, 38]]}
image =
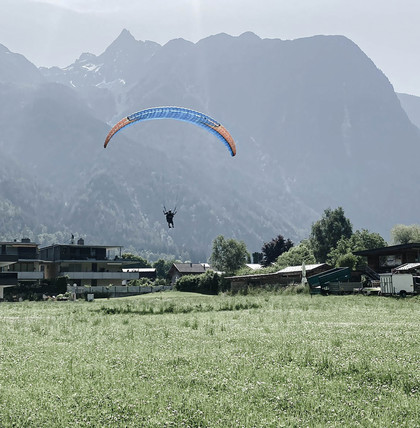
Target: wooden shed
{"points": [[288, 275], [384, 259]]}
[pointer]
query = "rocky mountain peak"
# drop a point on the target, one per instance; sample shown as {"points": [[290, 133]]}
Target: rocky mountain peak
{"points": [[124, 41]]}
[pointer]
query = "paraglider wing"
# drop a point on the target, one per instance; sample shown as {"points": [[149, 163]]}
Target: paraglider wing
{"points": [[117, 127], [177, 113]]}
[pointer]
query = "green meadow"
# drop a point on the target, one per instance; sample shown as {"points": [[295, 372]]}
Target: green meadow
{"points": [[180, 359]]}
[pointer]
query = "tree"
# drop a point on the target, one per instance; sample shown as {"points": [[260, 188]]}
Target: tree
{"points": [[327, 231], [60, 285], [209, 282], [403, 234], [296, 256], [273, 249], [228, 255], [342, 254], [162, 267], [137, 260], [257, 257]]}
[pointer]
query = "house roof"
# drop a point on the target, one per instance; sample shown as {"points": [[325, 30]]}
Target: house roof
{"points": [[254, 266], [298, 269], [407, 267], [392, 249], [255, 276], [187, 268], [83, 246], [290, 270], [19, 244]]}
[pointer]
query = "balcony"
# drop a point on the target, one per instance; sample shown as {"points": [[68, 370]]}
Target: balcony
{"points": [[8, 279], [30, 276], [7, 259], [111, 276]]}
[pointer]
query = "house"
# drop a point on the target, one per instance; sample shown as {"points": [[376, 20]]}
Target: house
{"points": [[254, 266], [7, 280], [385, 259], [149, 273], [19, 260], [83, 265], [180, 269], [288, 275], [89, 265], [294, 273]]}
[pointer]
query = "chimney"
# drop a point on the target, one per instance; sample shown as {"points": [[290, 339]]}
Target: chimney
{"points": [[80, 241]]}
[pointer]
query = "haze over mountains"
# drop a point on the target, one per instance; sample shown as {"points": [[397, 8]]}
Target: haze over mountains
{"points": [[317, 125], [411, 105]]}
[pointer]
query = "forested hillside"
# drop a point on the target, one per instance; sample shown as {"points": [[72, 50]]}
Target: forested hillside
{"points": [[316, 125]]}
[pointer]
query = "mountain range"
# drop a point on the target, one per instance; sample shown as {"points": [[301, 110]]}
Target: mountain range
{"points": [[316, 125]]}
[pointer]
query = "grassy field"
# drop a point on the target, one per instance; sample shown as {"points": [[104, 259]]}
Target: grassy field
{"points": [[179, 359]]}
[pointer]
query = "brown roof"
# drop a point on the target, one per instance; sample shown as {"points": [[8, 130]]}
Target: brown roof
{"points": [[189, 268]]}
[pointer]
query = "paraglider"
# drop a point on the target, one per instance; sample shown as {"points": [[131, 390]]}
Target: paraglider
{"points": [[177, 113], [169, 216]]}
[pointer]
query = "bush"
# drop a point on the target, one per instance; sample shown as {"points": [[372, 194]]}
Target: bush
{"points": [[61, 284], [34, 291], [274, 289], [188, 283], [209, 282]]}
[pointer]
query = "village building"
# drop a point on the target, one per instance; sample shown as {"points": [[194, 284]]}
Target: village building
{"points": [[23, 262], [90, 265], [288, 275], [254, 266], [19, 262], [385, 259], [181, 269]]}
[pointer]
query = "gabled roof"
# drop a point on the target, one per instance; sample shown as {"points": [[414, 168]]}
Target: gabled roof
{"points": [[189, 268]]}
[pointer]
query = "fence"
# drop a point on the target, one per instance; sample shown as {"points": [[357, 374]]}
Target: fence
{"points": [[118, 290]]}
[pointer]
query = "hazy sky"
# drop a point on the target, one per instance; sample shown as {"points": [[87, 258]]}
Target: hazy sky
{"points": [[56, 32]]}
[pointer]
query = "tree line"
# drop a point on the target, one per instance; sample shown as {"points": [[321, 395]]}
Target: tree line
{"points": [[331, 240]]}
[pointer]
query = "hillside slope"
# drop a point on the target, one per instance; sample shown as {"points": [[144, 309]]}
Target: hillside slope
{"points": [[316, 124]]}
